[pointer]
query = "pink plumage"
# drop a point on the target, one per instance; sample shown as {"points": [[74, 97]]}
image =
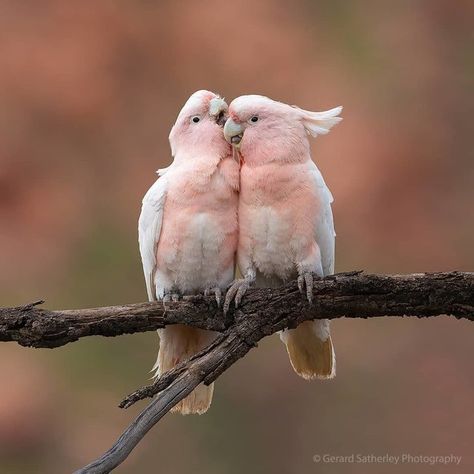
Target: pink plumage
{"points": [[188, 228], [286, 226]]}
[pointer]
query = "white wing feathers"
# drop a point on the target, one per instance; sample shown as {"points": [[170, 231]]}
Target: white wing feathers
{"points": [[324, 231], [149, 229]]}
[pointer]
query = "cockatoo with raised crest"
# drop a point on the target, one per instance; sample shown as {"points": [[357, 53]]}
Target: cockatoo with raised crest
{"points": [[188, 229], [286, 225]]}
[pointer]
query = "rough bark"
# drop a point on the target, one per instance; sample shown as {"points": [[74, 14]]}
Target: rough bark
{"points": [[352, 295], [31, 326]]}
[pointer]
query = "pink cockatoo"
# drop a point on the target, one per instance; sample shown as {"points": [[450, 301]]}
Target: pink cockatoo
{"points": [[188, 228], [286, 227]]}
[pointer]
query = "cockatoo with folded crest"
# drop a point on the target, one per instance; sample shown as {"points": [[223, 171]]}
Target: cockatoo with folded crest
{"points": [[188, 229], [286, 225]]}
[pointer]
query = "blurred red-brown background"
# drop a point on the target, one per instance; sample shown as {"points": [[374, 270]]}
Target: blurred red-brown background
{"points": [[88, 93]]}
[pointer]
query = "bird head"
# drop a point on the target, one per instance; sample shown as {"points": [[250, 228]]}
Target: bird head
{"points": [[266, 130], [198, 127]]}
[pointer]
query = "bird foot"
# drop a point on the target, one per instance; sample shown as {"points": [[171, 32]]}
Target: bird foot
{"points": [[171, 296], [236, 292], [305, 284], [217, 292]]}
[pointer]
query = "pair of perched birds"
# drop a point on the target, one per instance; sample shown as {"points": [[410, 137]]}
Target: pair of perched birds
{"points": [[242, 188]]}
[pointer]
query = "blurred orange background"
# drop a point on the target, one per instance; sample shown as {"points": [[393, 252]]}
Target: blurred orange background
{"points": [[88, 94]]}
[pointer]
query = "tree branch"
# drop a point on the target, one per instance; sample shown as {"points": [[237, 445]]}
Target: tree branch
{"points": [[31, 326], [264, 312], [348, 294], [176, 385], [352, 295]]}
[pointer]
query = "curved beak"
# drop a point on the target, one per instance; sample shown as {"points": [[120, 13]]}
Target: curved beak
{"points": [[233, 132], [218, 110]]}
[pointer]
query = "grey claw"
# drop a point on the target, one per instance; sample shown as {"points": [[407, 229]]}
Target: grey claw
{"points": [[300, 283], [236, 292], [218, 294], [230, 295], [241, 292], [175, 297], [308, 278]]}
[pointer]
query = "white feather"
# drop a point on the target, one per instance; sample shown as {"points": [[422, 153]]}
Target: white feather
{"points": [[149, 229], [324, 228], [216, 106], [319, 123]]}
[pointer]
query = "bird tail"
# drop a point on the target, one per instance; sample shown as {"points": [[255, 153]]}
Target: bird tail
{"points": [[310, 349], [178, 343]]}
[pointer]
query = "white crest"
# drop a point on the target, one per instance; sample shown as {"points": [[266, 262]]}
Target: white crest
{"points": [[216, 106], [319, 123]]}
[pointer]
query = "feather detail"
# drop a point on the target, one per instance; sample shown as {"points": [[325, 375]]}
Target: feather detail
{"points": [[177, 344], [149, 230], [310, 350], [319, 123], [285, 218], [188, 229]]}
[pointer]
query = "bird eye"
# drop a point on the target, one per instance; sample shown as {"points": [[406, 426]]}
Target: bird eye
{"points": [[254, 119], [195, 119]]}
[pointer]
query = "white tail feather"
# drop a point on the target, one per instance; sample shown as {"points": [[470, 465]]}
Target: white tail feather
{"points": [[310, 349], [177, 344]]}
